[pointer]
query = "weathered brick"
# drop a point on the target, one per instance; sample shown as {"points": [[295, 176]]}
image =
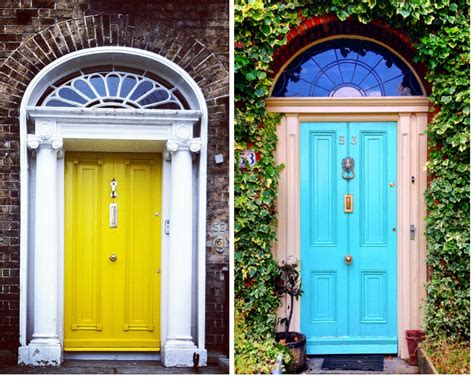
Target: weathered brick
{"points": [[34, 33]]}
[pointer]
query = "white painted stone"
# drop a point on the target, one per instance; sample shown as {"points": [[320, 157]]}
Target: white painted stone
{"points": [[45, 348], [179, 347], [181, 355], [104, 126], [38, 354]]}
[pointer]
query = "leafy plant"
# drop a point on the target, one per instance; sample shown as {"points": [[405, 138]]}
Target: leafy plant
{"points": [[254, 356], [448, 357], [289, 284]]}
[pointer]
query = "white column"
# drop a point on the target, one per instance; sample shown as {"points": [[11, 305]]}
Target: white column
{"points": [[179, 347], [45, 347]]}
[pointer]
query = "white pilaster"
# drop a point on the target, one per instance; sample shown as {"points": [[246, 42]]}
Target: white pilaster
{"points": [[179, 347], [45, 347]]}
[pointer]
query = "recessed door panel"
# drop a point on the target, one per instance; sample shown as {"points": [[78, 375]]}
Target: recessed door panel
{"points": [[348, 237], [112, 251], [140, 282], [85, 244], [323, 189]]}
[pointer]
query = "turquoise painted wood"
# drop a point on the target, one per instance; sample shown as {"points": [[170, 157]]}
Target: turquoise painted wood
{"points": [[349, 308]]}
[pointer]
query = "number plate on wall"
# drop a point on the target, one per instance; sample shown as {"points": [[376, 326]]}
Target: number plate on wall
{"points": [[247, 156]]}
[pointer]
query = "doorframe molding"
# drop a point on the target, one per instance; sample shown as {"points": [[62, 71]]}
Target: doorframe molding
{"points": [[411, 115], [175, 132]]}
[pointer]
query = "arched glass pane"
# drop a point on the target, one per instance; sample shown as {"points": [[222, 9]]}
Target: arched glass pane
{"points": [[113, 82], [98, 83], [156, 96], [347, 68], [83, 87], [71, 95], [143, 88], [114, 89], [58, 103]]}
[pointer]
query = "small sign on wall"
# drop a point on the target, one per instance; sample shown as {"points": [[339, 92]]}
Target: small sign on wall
{"points": [[247, 155]]}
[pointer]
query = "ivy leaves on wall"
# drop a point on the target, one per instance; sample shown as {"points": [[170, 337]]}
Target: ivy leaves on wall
{"points": [[439, 30]]}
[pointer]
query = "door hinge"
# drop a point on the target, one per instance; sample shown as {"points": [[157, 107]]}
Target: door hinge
{"points": [[412, 232], [167, 226]]}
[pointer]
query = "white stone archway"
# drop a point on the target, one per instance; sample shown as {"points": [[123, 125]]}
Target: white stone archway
{"points": [[48, 131]]}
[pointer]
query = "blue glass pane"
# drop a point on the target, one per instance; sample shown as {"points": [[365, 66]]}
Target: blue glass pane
{"points": [[155, 97], [342, 67], [142, 89], [324, 81], [113, 83], [334, 74], [83, 87], [72, 95], [360, 72], [58, 103], [127, 85], [99, 85], [347, 70], [298, 88]]}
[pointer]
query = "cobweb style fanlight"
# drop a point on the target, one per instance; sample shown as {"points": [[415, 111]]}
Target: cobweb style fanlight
{"points": [[347, 68], [113, 88]]}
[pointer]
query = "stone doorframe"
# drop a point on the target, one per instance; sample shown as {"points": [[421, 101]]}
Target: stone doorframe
{"points": [[410, 113], [179, 134]]}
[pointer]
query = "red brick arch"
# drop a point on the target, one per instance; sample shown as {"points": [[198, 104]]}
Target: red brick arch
{"points": [[109, 30], [318, 27]]}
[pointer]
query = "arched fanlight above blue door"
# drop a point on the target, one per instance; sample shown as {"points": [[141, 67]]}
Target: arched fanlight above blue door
{"points": [[347, 67], [113, 87]]}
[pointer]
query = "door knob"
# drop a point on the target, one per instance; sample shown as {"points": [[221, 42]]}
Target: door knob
{"points": [[113, 257], [348, 259]]}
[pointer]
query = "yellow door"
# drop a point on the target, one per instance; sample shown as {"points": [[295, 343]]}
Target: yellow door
{"points": [[112, 252]]}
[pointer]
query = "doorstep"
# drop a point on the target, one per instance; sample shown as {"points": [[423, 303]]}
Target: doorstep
{"points": [[108, 367], [391, 365]]}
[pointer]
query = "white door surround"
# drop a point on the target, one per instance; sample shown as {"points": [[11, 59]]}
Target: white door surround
{"points": [[172, 132], [410, 113]]}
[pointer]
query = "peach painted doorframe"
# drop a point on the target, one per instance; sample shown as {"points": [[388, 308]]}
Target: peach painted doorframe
{"points": [[410, 113]]}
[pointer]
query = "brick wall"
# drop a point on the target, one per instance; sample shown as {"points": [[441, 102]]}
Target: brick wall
{"points": [[34, 33]]}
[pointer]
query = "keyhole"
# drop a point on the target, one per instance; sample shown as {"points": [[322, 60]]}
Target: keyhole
{"points": [[113, 185]]}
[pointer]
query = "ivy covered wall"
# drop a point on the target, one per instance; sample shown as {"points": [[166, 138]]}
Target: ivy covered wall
{"points": [[439, 33]]}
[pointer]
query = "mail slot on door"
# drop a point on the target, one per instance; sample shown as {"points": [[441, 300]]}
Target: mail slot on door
{"points": [[113, 215], [348, 206]]}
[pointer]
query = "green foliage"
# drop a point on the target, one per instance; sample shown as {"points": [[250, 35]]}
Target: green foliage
{"points": [[440, 31], [448, 357], [446, 53], [253, 355]]}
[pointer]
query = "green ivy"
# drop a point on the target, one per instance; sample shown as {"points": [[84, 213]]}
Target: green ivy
{"points": [[439, 30]]}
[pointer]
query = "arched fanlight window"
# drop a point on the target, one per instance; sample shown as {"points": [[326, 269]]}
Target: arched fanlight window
{"points": [[113, 87], [347, 68]]}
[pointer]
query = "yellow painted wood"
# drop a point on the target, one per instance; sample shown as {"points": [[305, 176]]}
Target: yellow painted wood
{"points": [[110, 305]]}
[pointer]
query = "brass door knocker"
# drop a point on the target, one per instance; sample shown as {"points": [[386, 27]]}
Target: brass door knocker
{"points": [[348, 168]]}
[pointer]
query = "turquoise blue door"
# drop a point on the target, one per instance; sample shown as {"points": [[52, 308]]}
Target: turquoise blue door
{"points": [[348, 237]]}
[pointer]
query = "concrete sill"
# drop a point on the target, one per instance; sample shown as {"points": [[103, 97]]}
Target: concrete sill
{"points": [[425, 364]]}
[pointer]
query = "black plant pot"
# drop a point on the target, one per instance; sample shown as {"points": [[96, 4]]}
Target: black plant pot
{"points": [[297, 347]]}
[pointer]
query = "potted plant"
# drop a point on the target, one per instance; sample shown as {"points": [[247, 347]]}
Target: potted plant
{"points": [[413, 338], [289, 283]]}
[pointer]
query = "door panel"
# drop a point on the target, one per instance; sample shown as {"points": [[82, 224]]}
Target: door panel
{"points": [[348, 307], [112, 305], [323, 238], [84, 268], [372, 224]]}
